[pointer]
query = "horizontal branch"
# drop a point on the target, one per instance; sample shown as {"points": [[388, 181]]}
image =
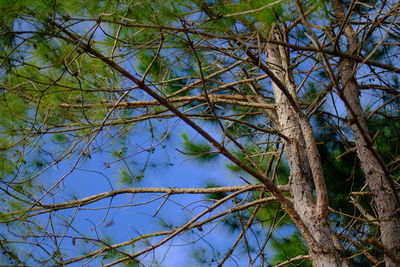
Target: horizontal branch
{"points": [[135, 190], [222, 99], [297, 258], [77, 126], [168, 232]]}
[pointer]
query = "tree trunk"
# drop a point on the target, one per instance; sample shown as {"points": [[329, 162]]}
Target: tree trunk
{"points": [[375, 172], [304, 162]]}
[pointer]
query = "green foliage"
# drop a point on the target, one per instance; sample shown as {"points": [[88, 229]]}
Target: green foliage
{"points": [[236, 128], [339, 170], [56, 99], [262, 157], [311, 93], [387, 140], [132, 263], [12, 112], [144, 61], [214, 196], [174, 86], [287, 248], [271, 215], [267, 15], [232, 222], [200, 151], [226, 16], [60, 138], [4, 217], [12, 159], [119, 153], [126, 177], [111, 255], [203, 257]]}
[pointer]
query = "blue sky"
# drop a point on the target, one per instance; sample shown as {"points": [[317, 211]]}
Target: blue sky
{"points": [[119, 224]]}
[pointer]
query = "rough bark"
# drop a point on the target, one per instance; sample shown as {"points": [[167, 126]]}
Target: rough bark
{"points": [[304, 163], [376, 175]]}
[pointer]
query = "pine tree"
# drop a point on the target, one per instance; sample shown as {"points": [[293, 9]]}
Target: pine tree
{"points": [[297, 99]]}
